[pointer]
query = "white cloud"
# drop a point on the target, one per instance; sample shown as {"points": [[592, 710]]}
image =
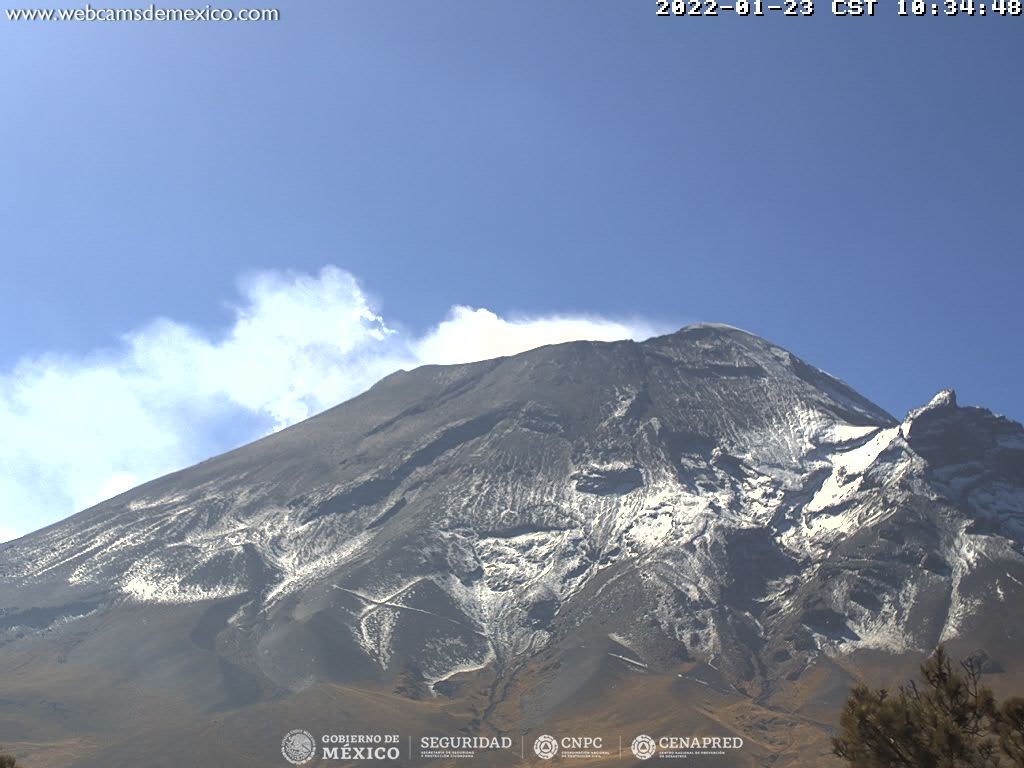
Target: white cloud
{"points": [[468, 334], [78, 430]]}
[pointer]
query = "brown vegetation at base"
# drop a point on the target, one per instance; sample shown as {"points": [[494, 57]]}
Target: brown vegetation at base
{"points": [[949, 720]]}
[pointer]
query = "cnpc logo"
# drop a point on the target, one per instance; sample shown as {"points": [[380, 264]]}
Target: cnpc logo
{"points": [[547, 747]]}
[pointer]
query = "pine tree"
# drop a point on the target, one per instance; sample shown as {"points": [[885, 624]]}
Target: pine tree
{"points": [[949, 720]]}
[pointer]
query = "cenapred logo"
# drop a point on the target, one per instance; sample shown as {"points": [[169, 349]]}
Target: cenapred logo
{"points": [[298, 746], [545, 747], [643, 747]]}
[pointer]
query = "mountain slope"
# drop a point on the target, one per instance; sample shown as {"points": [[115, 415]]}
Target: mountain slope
{"points": [[702, 505]]}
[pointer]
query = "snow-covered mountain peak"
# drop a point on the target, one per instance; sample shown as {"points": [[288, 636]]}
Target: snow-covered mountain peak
{"points": [[943, 401], [703, 495]]}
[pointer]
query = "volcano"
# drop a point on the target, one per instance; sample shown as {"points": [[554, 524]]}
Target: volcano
{"points": [[695, 534]]}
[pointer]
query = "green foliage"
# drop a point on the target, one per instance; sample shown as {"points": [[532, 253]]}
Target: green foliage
{"points": [[1011, 730], [949, 720]]}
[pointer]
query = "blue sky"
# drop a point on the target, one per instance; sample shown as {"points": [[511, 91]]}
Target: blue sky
{"points": [[848, 188]]}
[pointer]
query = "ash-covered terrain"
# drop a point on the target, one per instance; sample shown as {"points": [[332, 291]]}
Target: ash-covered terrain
{"points": [[700, 524]]}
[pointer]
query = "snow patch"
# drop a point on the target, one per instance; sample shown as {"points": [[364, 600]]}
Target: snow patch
{"points": [[847, 470]]}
